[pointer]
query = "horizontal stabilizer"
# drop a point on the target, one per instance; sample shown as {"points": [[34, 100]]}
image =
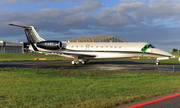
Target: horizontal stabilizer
{"points": [[24, 27], [31, 34]]}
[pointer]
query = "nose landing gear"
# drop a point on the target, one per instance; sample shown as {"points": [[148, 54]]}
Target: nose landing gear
{"points": [[161, 58], [157, 63]]}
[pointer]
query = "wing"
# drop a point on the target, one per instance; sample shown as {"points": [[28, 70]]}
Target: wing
{"points": [[66, 53]]}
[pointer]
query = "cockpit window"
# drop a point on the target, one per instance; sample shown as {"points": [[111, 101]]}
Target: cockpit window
{"points": [[146, 47], [152, 46]]}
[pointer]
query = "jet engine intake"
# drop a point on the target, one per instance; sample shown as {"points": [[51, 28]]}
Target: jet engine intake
{"points": [[49, 45]]}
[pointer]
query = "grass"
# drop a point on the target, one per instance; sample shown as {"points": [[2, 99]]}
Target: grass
{"points": [[177, 54], [28, 57], [61, 88]]}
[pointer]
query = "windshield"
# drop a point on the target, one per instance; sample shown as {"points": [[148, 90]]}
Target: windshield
{"points": [[146, 47]]}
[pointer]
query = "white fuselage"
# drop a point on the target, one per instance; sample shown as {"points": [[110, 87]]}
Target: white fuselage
{"points": [[111, 49], [104, 49], [91, 50]]}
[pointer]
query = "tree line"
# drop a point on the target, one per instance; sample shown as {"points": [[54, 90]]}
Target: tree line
{"points": [[175, 50]]}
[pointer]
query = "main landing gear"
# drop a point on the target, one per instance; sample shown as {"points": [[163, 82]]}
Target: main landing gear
{"points": [[83, 62], [77, 61]]}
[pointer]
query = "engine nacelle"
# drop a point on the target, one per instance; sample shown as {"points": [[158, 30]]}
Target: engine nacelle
{"points": [[53, 45]]}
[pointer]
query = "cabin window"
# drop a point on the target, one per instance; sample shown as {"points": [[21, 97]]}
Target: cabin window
{"points": [[101, 46], [72, 46], [81, 46], [91, 46], [76, 46], [96, 46], [106, 46], [119, 46], [111, 47], [115, 47]]}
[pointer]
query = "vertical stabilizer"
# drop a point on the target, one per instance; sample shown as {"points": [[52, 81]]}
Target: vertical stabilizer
{"points": [[31, 34]]}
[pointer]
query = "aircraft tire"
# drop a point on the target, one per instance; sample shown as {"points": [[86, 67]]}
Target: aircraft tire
{"points": [[157, 63], [73, 63], [76, 62], [83, 62]]}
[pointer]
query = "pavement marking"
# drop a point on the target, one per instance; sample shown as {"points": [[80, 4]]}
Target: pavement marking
{"points": [[152, 101]]}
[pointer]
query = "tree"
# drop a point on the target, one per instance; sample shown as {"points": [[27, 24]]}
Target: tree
{"points": [[175, 50]]}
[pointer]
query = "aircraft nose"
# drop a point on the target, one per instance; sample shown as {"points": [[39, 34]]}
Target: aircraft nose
{"points": [[166, 53], [170, 55], [162, 52]]}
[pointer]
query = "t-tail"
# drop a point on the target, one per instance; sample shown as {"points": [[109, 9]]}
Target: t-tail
{"points": [[36, 41], [31, 33]]}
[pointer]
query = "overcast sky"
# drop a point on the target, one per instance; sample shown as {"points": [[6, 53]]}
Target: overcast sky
{"points": [[152, 21]]}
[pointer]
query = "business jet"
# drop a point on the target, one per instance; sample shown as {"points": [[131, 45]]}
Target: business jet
{"points": [[83, 51]]}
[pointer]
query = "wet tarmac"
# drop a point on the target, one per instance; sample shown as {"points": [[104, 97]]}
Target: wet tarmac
{"points": [[94, 65], [165, 101]]}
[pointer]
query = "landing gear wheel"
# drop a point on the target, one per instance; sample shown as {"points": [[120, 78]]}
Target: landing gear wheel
{"points": [[73, 63], [83, 62], [77, 62], [157, 63]]}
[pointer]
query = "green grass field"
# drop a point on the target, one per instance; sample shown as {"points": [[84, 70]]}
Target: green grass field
{"points": [[28, 57], [178, 54], [61, 88]]}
